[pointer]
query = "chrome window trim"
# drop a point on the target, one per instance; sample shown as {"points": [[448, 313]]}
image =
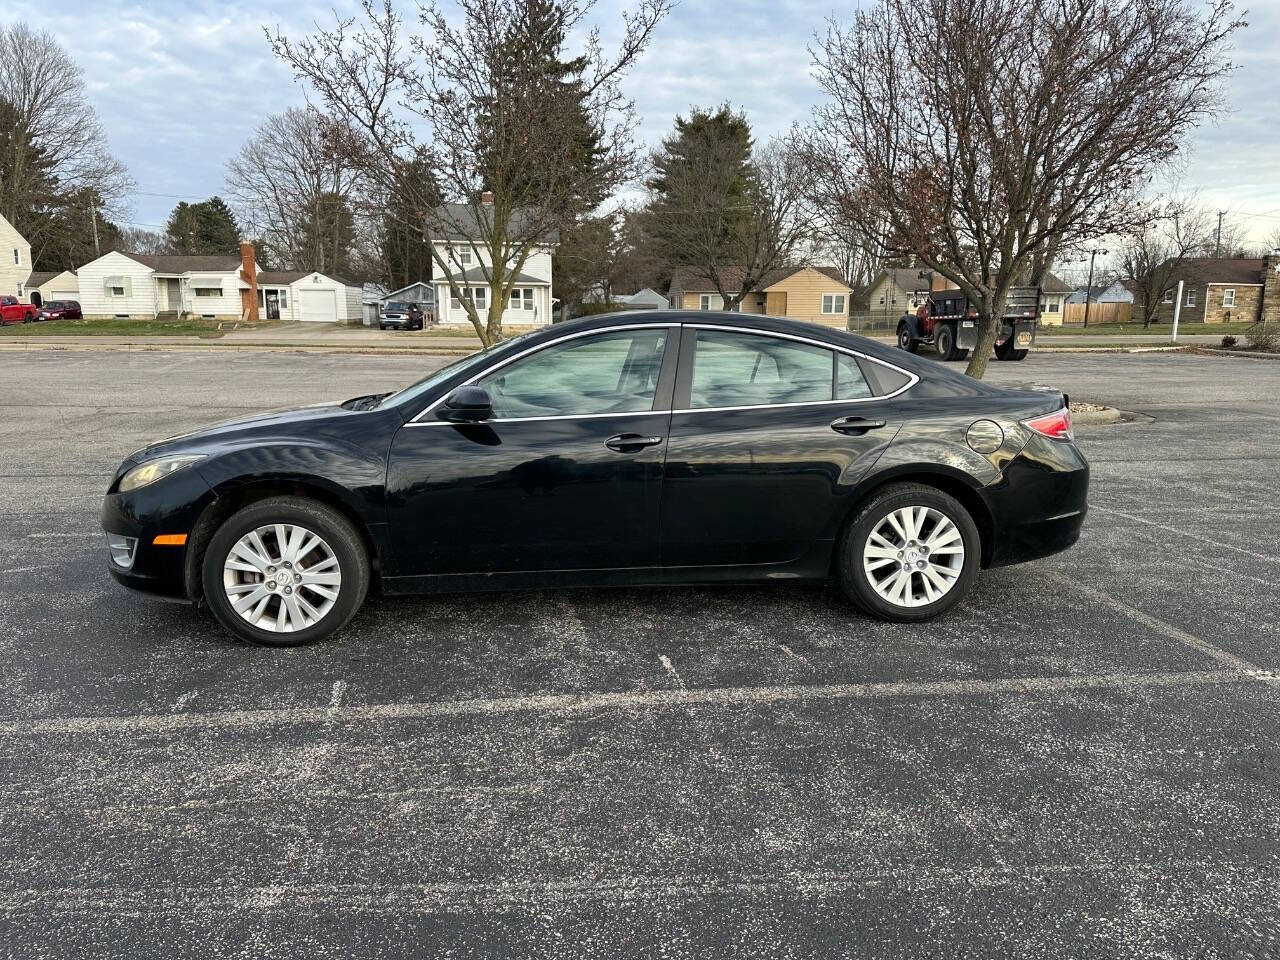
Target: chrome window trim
{"points": [[416, 421], [913, 378]]}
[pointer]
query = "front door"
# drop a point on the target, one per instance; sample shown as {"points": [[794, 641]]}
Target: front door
{"points": [[566, 474], [272, 298], [764, 448]]}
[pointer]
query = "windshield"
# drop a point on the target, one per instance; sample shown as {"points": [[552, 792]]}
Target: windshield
{"points": [[397, 306], [453, 369]]}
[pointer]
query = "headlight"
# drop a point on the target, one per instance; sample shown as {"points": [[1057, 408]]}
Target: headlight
{"points": [[153, 470]]}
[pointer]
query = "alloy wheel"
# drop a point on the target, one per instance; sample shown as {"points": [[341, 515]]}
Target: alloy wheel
{"points": [[281, 578], [914, 556]]}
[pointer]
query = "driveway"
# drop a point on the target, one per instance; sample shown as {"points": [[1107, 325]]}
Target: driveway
{"points": [[1081, 761]]}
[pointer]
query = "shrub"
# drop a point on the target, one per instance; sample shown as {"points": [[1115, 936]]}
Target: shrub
{"points": [[1228, 342], [1264, 337]]}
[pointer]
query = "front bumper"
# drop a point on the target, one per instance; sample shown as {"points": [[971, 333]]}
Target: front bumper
{"points": [[171, 505], [1039, 504]]}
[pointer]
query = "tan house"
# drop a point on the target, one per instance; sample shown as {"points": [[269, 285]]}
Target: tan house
{"points": [[814, 294], [48, 286], [15, 261], [1225, 289], [901, 290]]}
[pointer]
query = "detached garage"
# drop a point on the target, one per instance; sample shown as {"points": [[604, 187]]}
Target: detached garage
{"points": [[309, 298]]}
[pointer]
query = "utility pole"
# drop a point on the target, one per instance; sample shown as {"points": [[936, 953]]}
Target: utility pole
{"points": [[1217, 243], [1088, 287], [93, 209]]}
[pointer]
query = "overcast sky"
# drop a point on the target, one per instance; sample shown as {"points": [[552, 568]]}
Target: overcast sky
{"points": [[181, 85]]}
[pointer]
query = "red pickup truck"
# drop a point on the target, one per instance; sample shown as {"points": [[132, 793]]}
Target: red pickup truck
{"points": [[12, 310]]}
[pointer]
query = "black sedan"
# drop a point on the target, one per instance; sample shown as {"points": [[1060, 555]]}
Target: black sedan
{"points": [[621, 449]]}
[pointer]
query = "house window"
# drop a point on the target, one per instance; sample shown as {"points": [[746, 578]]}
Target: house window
{"points": [[704, 302], [480, 297], [1228, 298], [1168, 296], [208, 291], [834, 302], [1191, 297], [522, 298], [455, 303], [17, 257], [464, 257], [1052, 306], [117, 291]]}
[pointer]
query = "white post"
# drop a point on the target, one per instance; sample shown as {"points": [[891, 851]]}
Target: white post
{"points": [[1177, 311]]}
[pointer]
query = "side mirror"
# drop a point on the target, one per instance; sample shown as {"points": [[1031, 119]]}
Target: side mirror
{"points": [[469, 404]]}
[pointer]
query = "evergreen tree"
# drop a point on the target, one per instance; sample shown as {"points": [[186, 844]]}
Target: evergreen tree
{"points": [[208, 228], [328, 236], [406, 255], [702, 173]]}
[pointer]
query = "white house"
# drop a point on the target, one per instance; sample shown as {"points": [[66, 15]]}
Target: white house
{"points": [[140, 285], [15, 261], [457, 240], [308, 297], [43, 287]]}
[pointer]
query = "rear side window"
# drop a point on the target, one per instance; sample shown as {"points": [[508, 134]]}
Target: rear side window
{"points": [[743, 369], [850, 383]]}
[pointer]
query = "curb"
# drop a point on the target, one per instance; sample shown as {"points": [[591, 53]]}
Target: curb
{"points": [[187, 347], [1247, 354]]}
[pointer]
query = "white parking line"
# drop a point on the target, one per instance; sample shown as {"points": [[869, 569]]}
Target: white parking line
{"points": [[671, 670], [1186, 533], [581, 703], [1159, 626]]}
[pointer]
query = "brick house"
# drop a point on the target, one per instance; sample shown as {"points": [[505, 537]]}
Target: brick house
{"points": [[1225, 289]]}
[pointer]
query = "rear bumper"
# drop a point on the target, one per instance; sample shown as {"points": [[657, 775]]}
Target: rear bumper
{"points": [[1039, 504]]}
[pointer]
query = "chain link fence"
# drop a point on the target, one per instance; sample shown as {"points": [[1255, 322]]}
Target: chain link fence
{"points": [[874, 323]]}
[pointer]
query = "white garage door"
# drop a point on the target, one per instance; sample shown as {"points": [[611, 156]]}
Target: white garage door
{"points": [[317, 306], [65, 295]]}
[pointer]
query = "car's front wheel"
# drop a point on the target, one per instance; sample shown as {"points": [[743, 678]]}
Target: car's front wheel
{"points": [[909, 553], [285, 571]]}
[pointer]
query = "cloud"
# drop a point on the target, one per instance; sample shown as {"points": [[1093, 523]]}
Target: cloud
{"points": [[180, 86]]}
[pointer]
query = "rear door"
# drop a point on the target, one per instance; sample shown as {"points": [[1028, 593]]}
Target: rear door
{"points": [[769, 433]]}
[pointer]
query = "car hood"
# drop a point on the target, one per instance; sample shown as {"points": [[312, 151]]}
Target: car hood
{"points": [[281, 423]]}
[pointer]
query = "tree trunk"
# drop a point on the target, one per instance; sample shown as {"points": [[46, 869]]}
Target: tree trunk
{"points": [[990, 315]]}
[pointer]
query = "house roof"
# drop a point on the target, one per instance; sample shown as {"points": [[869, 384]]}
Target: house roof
{"points": [[286, 277], [185, 264], [907, 279], [476, 275], [459, 221], [41, 278], [1053, 284], [1221, 270], [697, 280]]}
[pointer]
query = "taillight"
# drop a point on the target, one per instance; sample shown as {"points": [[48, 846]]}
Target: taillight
{"points": [[1055, 426]]}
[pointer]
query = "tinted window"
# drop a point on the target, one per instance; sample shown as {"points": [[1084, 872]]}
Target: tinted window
{"points": [[607, 373], [743, 369], [850, 383]]}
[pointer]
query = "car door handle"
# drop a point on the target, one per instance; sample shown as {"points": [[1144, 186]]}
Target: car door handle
{"points": [[855, 425], [631, 442]]}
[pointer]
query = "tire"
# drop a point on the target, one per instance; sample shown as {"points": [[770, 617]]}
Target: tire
{"points": [[944, 342], [1006, 352], [339, 542], [1018, 355], [905, 341], [958, 571], [28, 318], [962, 354]]}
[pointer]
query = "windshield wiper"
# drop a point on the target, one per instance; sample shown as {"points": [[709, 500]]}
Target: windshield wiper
{"points": [[366, 403]]}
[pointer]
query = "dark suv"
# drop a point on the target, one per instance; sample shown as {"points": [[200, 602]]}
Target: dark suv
{"points": [[401, 315], [60, 310]]}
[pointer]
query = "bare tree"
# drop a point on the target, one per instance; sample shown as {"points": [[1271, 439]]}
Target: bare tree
{"points": [[55, 168], [521, 145], [286, 180], [989, 134], [1155, 249]]}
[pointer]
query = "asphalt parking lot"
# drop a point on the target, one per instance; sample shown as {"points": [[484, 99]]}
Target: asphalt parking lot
{"points": [[1082, 761]]}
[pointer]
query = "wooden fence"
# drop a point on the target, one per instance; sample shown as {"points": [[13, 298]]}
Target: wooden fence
{"points": [[1073, 313]]}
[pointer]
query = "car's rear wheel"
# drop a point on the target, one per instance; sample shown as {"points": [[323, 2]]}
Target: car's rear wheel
{"points": [[285, 571], [909, 553], [1005, 351]]}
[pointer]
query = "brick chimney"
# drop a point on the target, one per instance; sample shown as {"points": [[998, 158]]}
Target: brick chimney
{"points": [[1271, 287], [487, 198], [249, 274]]}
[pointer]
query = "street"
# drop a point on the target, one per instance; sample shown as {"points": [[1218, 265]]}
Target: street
{"points": [[1083, 760]]}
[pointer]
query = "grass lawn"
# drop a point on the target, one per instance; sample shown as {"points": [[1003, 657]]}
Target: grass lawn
{"points": [[116, 327], [1156, 329]]}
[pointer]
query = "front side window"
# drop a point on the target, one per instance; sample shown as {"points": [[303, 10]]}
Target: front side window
{"points": [[744, 369], [613, 372], [1228, 298]]}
